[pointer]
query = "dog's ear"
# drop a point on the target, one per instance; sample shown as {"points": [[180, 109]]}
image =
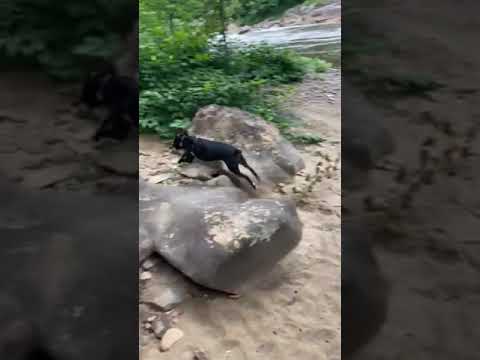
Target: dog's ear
{"points": [[182, 132]]}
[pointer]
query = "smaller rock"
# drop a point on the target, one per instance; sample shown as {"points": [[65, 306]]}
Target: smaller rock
{"points": [[168, 299], [152, 318], [199, 354], [143, 340], [159, 328], [170, 338], [222, 180], [146, 275], [197, 172], [157, 179], [148, 264]]}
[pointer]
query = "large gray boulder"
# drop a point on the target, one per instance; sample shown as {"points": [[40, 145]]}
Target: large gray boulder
{"points": [[271, 156], [216, 236]]}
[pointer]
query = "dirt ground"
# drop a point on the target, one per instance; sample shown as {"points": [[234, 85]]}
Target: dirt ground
{"points": [[293, 312]]}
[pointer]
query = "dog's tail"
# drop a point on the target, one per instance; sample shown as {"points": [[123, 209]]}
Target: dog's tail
{"points": [[243, 162]]}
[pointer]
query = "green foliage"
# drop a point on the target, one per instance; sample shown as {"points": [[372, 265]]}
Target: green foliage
{"points": [[317, 2], [182, 70], [61, 36], [248, 12], [313, 65]]}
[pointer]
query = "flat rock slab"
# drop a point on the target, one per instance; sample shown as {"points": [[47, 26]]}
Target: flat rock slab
{"points": [[216, 236]]}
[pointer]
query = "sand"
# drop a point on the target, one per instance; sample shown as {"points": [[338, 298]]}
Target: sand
{"points": [[294, 311]]}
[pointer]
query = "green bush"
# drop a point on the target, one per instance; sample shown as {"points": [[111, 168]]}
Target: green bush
{"points": [[252, 11], [183, 74], [182, 70]]}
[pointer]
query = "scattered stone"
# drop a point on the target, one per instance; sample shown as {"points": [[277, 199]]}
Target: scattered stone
{"points": [[143, 340], [168, 299], [222, 180], [199, 354], [146, 275], [148, 264], [159, 328], [172, 316], [197, 171], [170, 338]]}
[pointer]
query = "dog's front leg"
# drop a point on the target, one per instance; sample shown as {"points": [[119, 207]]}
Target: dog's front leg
{"points": [[186, 157]]}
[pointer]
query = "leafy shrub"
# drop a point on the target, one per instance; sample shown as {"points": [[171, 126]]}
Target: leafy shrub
{"points": [[178, 79], [252, 11], [182, 69]]}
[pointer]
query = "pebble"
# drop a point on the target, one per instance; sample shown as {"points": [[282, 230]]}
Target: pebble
{"points": [[170, 338], [168, 299], [221, 180], [146, 275], [148, 264], [199, 354], [159, 328]]}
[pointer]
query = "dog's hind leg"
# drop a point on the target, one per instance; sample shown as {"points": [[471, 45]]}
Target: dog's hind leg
{"points": [[243, 162], [233, 167]]}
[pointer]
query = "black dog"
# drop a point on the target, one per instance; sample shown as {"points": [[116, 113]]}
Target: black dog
{"points": [[208, 150], [120, 95]]}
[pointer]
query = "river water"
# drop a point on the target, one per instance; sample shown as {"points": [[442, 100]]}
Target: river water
{"points": [[319, 40]]}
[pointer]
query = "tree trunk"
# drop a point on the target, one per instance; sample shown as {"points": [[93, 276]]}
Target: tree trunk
{"points": [[223, 25]]}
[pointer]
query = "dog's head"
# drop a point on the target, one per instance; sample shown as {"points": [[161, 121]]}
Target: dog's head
{"points": [[182, 140]]}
